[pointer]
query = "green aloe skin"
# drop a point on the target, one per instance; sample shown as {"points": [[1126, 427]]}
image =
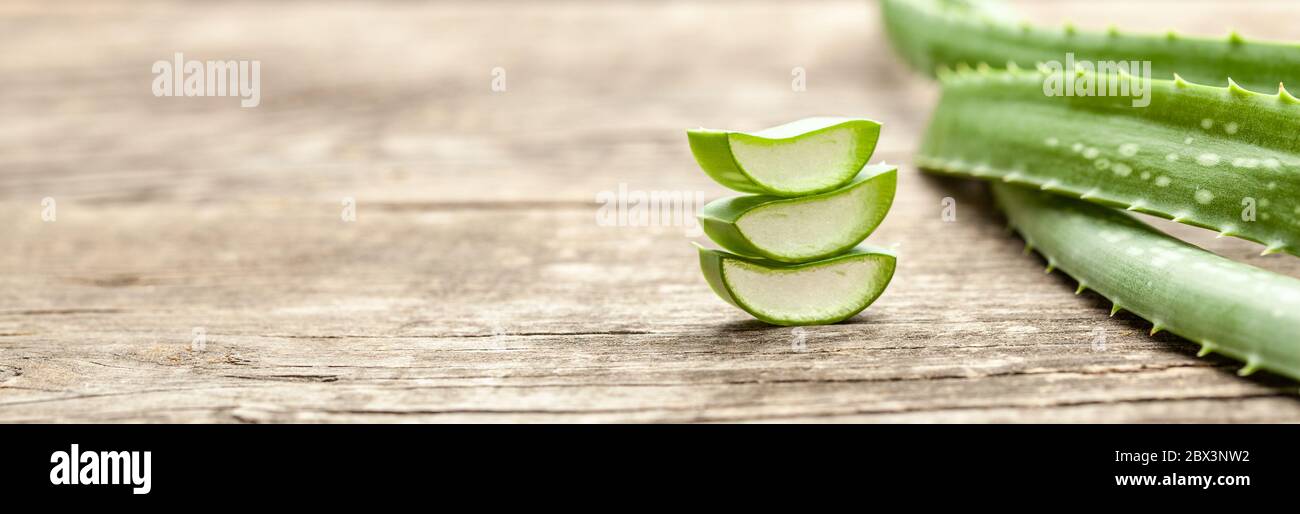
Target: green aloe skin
{"points": [[1219, 158], [805, 228], [804, 157], [811, 293], [934, 34], [1224, 158], [1246, 313]]}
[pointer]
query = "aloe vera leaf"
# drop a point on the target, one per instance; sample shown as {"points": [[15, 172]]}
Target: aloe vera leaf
{"points": [[933, 34], [1219, 158], [811, 293], [809, 156], [1244, 312], [805, 228]]}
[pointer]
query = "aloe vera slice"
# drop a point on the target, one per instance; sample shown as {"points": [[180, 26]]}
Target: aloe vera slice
{"points": [[806, 228], [936, 34], [808, 156], [812, 293], [1246, 313], [1220, 158]]}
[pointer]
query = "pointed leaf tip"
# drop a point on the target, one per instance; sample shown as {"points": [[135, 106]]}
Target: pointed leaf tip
{"points": [[1114, 309], [1206, 349], [1082, 287], [1156, 329], [1179, 81], [1249, 369]]}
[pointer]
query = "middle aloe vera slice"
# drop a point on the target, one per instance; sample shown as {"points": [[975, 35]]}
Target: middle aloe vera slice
{"points": [[805, 228], [1219, 158]]}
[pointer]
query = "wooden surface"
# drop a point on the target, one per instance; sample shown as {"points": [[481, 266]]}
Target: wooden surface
{"points": [[475, 285]]}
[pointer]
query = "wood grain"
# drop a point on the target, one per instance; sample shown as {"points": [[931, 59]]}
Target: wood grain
{"points": [[475, 285]]}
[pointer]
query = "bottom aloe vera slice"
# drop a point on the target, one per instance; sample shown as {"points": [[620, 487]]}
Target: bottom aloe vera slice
{"points": [[1246, 313], [812, 293], [805, 228]]}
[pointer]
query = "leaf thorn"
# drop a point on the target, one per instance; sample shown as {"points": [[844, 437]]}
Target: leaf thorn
{"points": [[1252, 365], [1206, 348], [1285, 95], [1236, 89]]}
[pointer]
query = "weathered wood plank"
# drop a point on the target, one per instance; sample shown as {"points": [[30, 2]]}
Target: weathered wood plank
{"points": [[475, 284]]}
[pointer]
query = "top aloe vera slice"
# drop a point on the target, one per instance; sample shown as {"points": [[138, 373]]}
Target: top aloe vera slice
{"points": [[933, 34], [805, 228], [1220, 158], [1228, 307], [808, 156]]}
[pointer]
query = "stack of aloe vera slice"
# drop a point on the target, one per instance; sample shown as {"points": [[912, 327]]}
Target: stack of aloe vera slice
{"points": [[792, 252]]}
